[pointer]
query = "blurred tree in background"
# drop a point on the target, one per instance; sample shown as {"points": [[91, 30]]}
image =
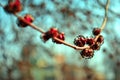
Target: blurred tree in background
{"points": [[24, 55]]}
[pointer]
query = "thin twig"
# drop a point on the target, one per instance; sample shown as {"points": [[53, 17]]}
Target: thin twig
{"points": [[70, 45], [55, 38], [43, 32], [30, 24], [105, 18]]}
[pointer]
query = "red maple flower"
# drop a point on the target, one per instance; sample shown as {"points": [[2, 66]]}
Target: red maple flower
{"points": [[13, 7], [28, 18]]}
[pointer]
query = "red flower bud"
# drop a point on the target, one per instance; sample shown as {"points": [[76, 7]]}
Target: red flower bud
{"points": [[53, 32], [80, 41], [90, 41], [46, 36], [100, 39], [28, 18], [96, 31], [87, 53], [13, 7], [96, 46], [60, 36]]}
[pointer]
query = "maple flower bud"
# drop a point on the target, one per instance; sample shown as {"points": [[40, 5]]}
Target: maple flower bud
{"points": [[13, 7]]}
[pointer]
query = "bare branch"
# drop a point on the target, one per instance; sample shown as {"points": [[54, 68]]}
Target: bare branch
{"points": [[63, 42], [105, 18], [30, 24]]}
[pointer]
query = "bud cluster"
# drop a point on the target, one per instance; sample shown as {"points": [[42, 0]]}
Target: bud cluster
{"points": [[51, 33], [13, 7], [94, 44], [21, 23]]}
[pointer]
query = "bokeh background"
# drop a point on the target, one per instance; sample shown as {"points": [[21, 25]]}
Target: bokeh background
{"points": [[24, 55]]}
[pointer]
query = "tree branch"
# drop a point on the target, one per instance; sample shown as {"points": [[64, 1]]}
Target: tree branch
{"points": [[63, 42], [105, 18]]}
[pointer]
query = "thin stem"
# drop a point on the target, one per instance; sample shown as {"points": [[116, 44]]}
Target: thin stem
{"points": [[43, 32], [70, 45], [30, 24], [105, 19]]}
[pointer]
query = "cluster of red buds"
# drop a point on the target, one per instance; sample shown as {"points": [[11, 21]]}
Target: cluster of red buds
{"points": [[51, 33], [21, 23], [13, 7], [92, 42]]}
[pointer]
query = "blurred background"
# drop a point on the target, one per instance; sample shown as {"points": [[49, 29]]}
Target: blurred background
{"points": [[24, 55]]}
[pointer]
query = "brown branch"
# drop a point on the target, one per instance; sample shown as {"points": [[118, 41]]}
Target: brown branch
{"points": [[70, 45], [105, 19], [43, 32], [30, 24], [63, 42]]}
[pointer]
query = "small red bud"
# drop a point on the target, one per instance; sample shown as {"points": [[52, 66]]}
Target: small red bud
{"points": [[60, 36], [53, 32], [46, 36], [28, 18], [87, 53], [96, 31], [13, 7], [90, 41], [100, 39], [96, 46], [80, 41]]}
